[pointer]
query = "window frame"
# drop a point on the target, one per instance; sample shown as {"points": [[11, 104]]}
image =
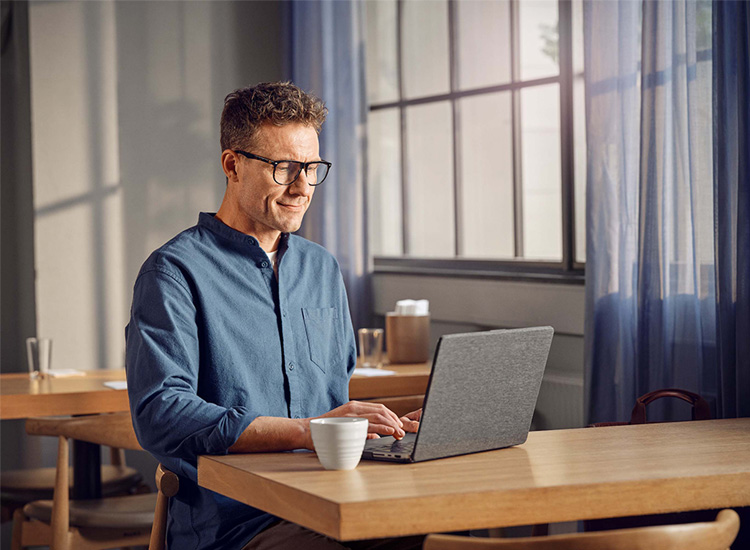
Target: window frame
{"points": [[517, 268]]}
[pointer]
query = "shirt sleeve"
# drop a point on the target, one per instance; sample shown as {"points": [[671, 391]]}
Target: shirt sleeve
{"points": [[162, 363]]}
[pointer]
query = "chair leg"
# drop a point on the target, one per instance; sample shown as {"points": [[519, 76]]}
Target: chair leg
{"points": [[61, 504], [116, 456], [16, 541]]}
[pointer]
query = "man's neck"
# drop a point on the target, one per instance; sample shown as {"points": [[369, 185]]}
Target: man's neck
{"points": [[268, 240]]}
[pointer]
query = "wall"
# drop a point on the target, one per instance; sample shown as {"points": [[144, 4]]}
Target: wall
{"points": [[125, 101], [466, 305]]}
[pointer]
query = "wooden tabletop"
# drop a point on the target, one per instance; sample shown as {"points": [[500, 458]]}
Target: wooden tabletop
{"points": [[21, 397], [410, 379], [560, 475]]}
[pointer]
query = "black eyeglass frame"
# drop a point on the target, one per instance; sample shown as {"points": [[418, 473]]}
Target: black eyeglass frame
{"points": [[303, 166]]}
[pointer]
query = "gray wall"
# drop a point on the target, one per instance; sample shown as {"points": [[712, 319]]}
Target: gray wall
{"points": [[466, 305], [124, 101]]}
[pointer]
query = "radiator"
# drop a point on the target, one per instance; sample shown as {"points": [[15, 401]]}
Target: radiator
{"points": [[560, 403]]}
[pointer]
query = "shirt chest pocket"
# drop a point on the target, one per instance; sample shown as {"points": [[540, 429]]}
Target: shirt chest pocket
{"points": [[320, 326]]}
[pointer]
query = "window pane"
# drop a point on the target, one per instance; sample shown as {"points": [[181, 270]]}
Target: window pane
{"points": [[382, 69], [486, 176], [430, 214], [424, 43], [384, 207], [579, 166], [539, 41], [483, 34], [540, 135]]}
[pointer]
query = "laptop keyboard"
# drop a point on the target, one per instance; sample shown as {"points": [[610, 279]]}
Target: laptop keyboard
{"points": [[401, 447]]}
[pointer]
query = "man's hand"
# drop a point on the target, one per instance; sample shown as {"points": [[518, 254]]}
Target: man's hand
{"points": [[270, 434], [411, 420], [382, 420]]}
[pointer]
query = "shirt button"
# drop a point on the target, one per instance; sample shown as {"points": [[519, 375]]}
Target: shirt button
{"points": [[291, 366], [264, 264]]}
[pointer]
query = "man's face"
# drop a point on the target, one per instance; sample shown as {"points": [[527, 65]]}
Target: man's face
{"points": [[266, 207]]}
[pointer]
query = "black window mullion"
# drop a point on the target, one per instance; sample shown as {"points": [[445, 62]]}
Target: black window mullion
{"points": [[457, 183], [565, 49], [458, 94], [516, 131]]}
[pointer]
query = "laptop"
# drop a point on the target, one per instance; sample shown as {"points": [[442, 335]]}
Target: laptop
{"points": [[481, 396]]}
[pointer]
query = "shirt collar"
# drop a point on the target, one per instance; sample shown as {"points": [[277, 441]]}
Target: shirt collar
{"points": [[215, 225]]}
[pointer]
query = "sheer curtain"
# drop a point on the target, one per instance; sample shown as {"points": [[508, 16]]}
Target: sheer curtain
{"points": [[328, 59], [655, 314]]}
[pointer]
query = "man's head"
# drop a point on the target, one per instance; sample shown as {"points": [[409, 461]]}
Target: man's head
{"points": [[260, 126], [276, 103]]}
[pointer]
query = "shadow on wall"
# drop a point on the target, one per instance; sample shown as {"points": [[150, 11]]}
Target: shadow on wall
{"points": [[176, 63]]}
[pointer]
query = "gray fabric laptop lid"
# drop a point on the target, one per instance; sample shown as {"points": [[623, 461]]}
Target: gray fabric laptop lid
{"points": [[482, 392]]}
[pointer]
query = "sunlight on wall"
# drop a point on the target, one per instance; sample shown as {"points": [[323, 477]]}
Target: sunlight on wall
{"points": [[126, 98]]}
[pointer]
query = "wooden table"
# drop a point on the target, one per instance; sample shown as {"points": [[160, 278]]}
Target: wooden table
{"points": [[555, 476], [409, 379], [21, 397]]}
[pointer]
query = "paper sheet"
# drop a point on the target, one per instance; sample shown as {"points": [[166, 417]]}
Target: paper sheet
{"points": [[117, 384], [61, 373], [373, 372]]}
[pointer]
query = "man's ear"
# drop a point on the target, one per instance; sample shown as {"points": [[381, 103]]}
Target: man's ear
{"points": [[229, 164]]}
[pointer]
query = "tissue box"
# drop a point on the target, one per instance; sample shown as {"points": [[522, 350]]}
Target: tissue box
{"points": [[407, 338]]}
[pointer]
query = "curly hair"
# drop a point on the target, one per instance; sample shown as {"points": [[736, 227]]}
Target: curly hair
{"points": [[278, 103]]}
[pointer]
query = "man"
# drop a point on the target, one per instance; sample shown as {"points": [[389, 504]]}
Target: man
{"points": [[240, 332]]}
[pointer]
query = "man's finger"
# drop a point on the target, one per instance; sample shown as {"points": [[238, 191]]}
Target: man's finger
{"points": [[384, 429], [410, 425]]}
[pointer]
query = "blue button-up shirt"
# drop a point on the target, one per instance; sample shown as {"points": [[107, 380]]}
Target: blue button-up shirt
{"points": [[215, 340]]}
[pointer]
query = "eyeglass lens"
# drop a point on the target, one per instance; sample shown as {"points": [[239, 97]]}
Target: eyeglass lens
{"points": [[286, 173]]}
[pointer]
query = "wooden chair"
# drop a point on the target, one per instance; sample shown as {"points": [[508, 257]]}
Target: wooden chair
{"points": [[109, 522], [712, 535], [19, 487], [167, 484]]}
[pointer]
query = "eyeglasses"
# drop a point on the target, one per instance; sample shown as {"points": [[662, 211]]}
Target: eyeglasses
{"points": [[286, 172]]}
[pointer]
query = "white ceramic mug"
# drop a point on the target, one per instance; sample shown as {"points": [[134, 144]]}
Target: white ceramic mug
{"points": [[339, 441]]}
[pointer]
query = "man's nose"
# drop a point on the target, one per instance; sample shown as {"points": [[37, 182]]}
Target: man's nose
{"points": [[301, 186]]}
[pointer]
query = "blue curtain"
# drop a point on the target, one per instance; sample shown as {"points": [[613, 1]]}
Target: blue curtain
{"points": [[328, 59], [731, 65], [661, 235]]}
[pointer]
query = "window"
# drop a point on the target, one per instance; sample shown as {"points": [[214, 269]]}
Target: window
{"points": [[476, 155]]}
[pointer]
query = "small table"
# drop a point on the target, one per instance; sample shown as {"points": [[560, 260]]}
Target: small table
{"points": [[21, 397], [558, 475], [410, 379]]}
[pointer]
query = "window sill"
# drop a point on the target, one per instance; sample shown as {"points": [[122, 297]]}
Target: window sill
{"points": [[539, 272]]}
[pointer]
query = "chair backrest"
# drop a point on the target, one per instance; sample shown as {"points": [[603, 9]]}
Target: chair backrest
{"points": [[712, 535], [167, 484]]}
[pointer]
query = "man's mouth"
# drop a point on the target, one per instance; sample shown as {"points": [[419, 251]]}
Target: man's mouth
{"points": [[292, 206]]}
